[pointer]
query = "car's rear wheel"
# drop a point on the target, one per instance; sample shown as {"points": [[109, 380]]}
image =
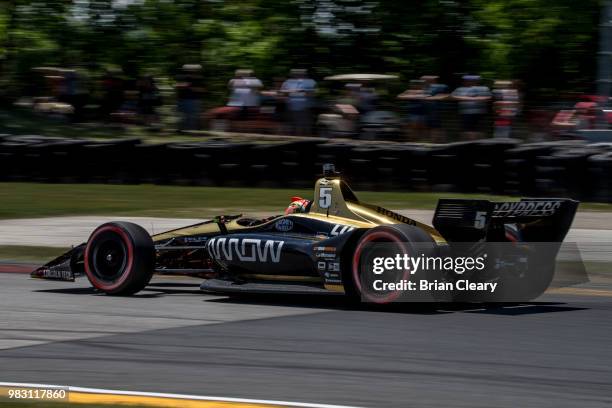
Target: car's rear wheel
{"points": [[383, 241], [119, 258]]}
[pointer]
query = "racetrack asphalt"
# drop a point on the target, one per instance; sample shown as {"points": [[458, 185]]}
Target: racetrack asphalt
{"points": [[170, 338]]}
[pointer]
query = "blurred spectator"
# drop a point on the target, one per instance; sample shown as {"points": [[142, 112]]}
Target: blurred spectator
{"points": [[53, 100], [128, 111], [112, 92], [436, 93], [244, 91], [583, 116], [424, 106], [273, 97], [349, 95], [189, 91], [367, 99], [415, 106], [472, 100], [300, 100], [506, 107], [73, 92], [148, 100]]}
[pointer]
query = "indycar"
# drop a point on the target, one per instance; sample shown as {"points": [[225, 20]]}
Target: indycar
{"points": [[322, 249]]}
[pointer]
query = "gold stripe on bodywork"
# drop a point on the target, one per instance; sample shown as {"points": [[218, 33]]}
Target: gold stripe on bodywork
{"points": [[337, 219], [335, 288]]}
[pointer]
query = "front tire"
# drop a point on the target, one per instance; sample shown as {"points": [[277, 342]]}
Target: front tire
{"points": [[119, 258]]}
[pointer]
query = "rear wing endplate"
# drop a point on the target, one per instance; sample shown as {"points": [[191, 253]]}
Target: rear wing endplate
{"points": [[538, 219]]}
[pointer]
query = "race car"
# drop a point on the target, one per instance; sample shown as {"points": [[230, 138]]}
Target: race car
{"points": [[323, 248]]}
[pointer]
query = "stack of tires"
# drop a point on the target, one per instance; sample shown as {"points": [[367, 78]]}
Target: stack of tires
{"points": [[524, 173], [562, 168], [565, 172], [113, 161], [600, 174]]}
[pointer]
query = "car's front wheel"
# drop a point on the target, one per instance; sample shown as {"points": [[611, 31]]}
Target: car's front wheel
{"points": [[119, 258]]}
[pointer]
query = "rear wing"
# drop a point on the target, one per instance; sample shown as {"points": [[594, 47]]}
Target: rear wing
{"points": [[527, 220]]}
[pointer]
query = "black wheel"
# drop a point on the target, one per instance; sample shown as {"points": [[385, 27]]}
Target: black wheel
{"points": [[398, 239], [527, 286], [119, 258]]}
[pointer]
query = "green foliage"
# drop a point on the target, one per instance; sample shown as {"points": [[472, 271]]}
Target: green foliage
{"points": [[546, 44], [27, 200], [551, 45]]}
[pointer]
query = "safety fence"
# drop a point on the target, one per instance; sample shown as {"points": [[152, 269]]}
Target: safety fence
{"points": [[502, 166]]}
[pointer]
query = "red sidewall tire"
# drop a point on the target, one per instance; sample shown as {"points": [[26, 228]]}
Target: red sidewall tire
{"points": [[369, 237], [109, 287], [119, 258]]}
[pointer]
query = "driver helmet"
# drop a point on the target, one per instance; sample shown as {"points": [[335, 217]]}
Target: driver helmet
{"points": [[298, 205]]}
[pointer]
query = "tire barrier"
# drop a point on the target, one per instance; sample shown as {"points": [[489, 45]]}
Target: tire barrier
{"points": [[522, 174], [501, 166], [600, 174], [566, 171], [109, 161]]}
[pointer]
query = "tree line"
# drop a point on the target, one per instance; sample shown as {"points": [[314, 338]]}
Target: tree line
{"points": [[550, 46]]}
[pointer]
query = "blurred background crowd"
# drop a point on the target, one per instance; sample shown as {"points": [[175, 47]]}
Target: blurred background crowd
{"points": [[436, 71]]}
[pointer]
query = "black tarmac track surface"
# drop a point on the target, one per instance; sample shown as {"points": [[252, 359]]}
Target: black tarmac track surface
{"points": [[552, 353]]}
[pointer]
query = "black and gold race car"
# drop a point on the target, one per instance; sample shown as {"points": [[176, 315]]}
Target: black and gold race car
{"points": [[322, 249]]}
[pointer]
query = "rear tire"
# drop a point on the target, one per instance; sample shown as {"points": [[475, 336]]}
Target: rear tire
{"points": [[405, 237], [119, 258]]}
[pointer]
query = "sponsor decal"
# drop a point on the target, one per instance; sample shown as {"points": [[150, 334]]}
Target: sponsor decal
{"points": [[395, 216], [526, 209], [325, 249], [329, 267], [284, 225], [195, 240], [56, 274], [332, 277], [340, 229], [245, 249]]}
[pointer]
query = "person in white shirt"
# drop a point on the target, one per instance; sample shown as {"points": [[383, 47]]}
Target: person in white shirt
{"points": [[244, 90], [473, 100], [299, 90]]}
